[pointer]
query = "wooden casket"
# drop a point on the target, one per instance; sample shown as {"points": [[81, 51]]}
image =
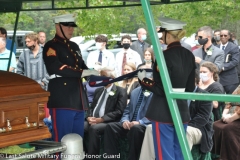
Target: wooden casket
{"points": [[22, 103]]}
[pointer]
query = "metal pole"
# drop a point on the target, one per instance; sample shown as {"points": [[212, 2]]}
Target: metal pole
{"points": [[13, 40], [166, 80]]}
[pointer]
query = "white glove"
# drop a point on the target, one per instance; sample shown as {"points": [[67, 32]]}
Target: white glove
{"points": [[141, 74], [88, 72], [97, 67], [226, 115]]}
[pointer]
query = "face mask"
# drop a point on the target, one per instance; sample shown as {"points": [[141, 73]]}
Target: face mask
{"points": [[196, 42], [31, 47], [148, 61], [144, 37], [204, 77], [126, 45], [159, 35], [202, 41], [217, 38], [98, 45]]}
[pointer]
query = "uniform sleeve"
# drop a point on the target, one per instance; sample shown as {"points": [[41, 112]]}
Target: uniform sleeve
{"points": [[55, 66], [152, 86], [190, 85]]}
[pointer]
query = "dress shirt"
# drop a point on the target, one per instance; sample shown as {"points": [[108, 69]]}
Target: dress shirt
{"points": [[131, 56], [4, 63], [107, 58], [221, 45], [102, 109]]}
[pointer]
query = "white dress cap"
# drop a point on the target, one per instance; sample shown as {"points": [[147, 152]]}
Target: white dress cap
{"points": [[171, 24], [64, 18]]}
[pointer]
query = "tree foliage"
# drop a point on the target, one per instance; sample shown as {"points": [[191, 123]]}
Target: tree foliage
{"points": [[215, 13]]}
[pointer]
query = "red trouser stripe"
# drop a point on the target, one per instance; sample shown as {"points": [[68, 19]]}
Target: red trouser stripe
{"points": [[55, 125], [159, 149]]}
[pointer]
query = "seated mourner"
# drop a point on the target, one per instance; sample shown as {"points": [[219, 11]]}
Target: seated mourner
{"points": [[226, 132], [132, 125], [108, 105], [199, 129]]}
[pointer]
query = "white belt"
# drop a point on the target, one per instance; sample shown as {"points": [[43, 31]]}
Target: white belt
{"points": [[178, 89], [54, 76]]}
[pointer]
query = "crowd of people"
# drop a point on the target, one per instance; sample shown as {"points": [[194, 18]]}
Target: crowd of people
{"points": [[136, 107]]}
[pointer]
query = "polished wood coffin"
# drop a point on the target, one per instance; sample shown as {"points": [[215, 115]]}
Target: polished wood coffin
{"points": [[22, 103]]}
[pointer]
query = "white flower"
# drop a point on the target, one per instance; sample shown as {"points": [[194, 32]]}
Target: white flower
{"points": [[111, 93], [146, 93], [209, 52]]}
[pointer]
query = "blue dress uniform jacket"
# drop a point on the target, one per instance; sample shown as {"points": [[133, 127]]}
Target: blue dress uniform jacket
{"points": [[63, 58], [181, 68]]}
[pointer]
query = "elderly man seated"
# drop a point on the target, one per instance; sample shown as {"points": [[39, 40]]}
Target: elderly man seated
{"points": [[108, 105], [132, 125]]}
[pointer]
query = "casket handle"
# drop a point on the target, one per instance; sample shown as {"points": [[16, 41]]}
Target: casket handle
{"points": [[26, 121], [9, 125]]}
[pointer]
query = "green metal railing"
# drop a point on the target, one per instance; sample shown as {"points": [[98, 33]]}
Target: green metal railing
{"points": [[172, 96]]}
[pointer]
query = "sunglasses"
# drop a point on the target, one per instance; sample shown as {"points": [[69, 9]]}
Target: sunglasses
{"points": [[223, 35]]}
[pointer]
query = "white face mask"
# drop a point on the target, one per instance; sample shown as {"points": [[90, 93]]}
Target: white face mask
{"points": [[204, 77], [196, 42], [144, 37], [159, 35], [99, 45]]}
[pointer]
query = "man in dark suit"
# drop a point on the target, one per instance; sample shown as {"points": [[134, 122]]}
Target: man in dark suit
{"points": [[199, 129], [107, 106], [228, 73], [132, 125], [208, 52], [140, 45]]}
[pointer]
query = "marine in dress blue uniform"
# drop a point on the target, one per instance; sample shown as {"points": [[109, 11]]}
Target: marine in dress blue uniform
{"points": [[181, 68], [65, 66]]}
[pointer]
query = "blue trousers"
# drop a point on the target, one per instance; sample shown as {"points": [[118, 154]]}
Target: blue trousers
{"points": [[166, 144], [65, 121]]}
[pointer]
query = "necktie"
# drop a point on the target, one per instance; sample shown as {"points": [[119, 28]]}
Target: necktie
{"points": [[100, 57], [96, 113], [139, 102], [124, 61], [223, 47]]}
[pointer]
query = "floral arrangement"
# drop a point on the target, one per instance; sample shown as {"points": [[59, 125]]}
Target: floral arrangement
{"points": [[112, 93], [146, 93], [209, 52]]}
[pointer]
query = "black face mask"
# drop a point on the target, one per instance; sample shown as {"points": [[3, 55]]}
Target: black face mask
{"points": [[202, 41], [31, 47], [126, 45]]}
